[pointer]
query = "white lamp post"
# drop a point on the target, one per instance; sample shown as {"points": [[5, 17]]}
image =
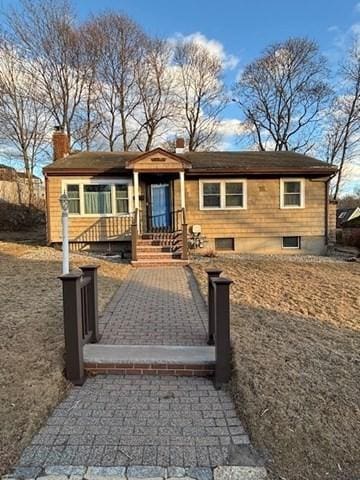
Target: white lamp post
{"points": [[64, 202]]}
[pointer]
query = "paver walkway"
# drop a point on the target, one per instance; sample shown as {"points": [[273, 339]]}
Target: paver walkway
{"points": [[121, 427], [156, 306], [142, 421]]}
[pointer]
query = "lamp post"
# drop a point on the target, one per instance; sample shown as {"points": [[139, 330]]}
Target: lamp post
{"points": [[64, 202]]}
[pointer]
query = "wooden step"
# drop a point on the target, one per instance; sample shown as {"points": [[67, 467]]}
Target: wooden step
{"points": [[157, 262], [157, 249], [158, 255]]}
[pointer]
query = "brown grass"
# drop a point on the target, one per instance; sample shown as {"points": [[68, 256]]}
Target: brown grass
{"points": [[32, 348], [296, 343]]}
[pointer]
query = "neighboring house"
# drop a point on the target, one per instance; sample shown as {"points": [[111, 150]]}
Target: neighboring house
{"points": [[245, 202], [14, 185], [344, 215], [348, 226]]}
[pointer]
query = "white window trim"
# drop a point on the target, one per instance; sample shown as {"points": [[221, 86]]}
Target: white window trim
{"points": [[104, 181], [302, 192], [222, 193], [291, 248]]}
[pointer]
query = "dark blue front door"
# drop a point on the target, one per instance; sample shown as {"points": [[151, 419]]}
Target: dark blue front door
{"points": [[160, 205]]}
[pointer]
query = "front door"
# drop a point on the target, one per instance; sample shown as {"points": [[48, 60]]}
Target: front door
{"points": [[160, 206]]}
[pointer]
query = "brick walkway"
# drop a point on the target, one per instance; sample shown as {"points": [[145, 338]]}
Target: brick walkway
{"points": [[147, 421], [156, 306]]}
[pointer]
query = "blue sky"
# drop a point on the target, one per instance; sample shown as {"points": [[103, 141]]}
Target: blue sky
{"points": [[241, 29]]}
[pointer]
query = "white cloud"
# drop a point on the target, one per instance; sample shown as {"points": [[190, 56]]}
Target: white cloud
{"points": [[216, 48], [357, 8], [231, 127]]}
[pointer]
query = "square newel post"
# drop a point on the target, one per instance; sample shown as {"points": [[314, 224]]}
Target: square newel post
{"points": [[136, 196], [222, 331], [91, 271], [212, 273], [74, 360]]}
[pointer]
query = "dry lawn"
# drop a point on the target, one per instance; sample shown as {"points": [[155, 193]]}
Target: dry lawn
{"points": [[32, 343], [296, 344]]}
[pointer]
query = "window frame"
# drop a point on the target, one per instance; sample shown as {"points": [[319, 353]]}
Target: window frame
{"points": [[112, 182], [232, 249], [291, 248], [222, 183], [282, 192]]}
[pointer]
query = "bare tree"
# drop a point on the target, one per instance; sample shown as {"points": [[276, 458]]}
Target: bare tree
{"points": [[23, 118], [200, 93], [282, 95], [122, 48], [155, 84], [47, 32], [343, 135]]}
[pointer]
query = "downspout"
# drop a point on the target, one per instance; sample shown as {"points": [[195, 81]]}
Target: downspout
{"points": [[327, 208]]}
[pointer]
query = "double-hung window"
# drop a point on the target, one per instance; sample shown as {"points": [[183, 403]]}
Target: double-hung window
{"points": [[222, 194], [99, 198], [292, 193], [73, 193]]}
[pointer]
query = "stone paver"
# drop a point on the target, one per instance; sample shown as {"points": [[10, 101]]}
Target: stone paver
{"points": [[156, 306], [114, 421]]}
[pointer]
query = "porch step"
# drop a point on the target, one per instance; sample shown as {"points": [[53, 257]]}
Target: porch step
{"points": [[158, 262], [149, 360], [158, 255], [155, 248]]}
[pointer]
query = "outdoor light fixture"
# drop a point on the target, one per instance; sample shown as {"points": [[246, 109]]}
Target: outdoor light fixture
{"points": [[64, 202]]}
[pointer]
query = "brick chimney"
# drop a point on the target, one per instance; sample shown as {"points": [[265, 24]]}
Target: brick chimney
{"points": [[60, 141], [180, 145]]}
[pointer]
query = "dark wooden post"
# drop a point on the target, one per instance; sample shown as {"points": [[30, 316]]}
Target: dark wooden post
{"points": [[134, 239], [222, 331], [184, 255], [212, 273], [91, 271], [74, 360]]}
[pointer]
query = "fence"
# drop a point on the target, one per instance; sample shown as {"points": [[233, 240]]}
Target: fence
{"points": [[219, 324], [80, 318]]}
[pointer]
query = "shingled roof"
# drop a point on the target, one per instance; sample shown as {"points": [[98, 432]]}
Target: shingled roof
{"points": [[202, 162]]}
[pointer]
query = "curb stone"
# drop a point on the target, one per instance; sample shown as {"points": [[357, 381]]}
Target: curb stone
{"points": [[240, 473]]}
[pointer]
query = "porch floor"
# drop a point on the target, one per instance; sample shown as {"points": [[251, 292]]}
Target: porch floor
{"points": [[156, 306]]}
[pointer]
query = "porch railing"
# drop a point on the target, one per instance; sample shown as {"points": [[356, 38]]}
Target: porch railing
{"points": [[80, 306], [219, 324], [175, 222]]}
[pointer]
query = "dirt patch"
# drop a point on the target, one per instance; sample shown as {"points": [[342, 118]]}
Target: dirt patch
{"points": [[296, 343], [32, 342]]}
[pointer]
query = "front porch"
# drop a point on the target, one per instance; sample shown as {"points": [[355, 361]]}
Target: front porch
{"points": [[159, 227]]}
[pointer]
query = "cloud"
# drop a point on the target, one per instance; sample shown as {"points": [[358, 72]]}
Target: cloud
{"points": [[231, 127], [215, 47], [357, 8]]}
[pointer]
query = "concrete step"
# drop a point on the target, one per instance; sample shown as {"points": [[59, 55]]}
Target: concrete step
{"points": [[149, 360]]}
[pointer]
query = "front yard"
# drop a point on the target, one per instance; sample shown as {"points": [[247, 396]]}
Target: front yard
{"points": [[296, 344], [32, 343]]}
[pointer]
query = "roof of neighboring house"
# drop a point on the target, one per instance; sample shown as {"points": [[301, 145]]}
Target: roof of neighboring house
{"points": [[344, 215], [202, 162]]}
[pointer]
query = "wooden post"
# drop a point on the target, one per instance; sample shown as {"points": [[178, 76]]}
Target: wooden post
{"points": [[184, 255], [91, 271], [134, 239], [222, 331], [212, 273], [74, 360]]}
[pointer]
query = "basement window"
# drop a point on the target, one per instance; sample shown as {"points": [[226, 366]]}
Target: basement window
{"points": [[224, 244], [291, 242]]}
